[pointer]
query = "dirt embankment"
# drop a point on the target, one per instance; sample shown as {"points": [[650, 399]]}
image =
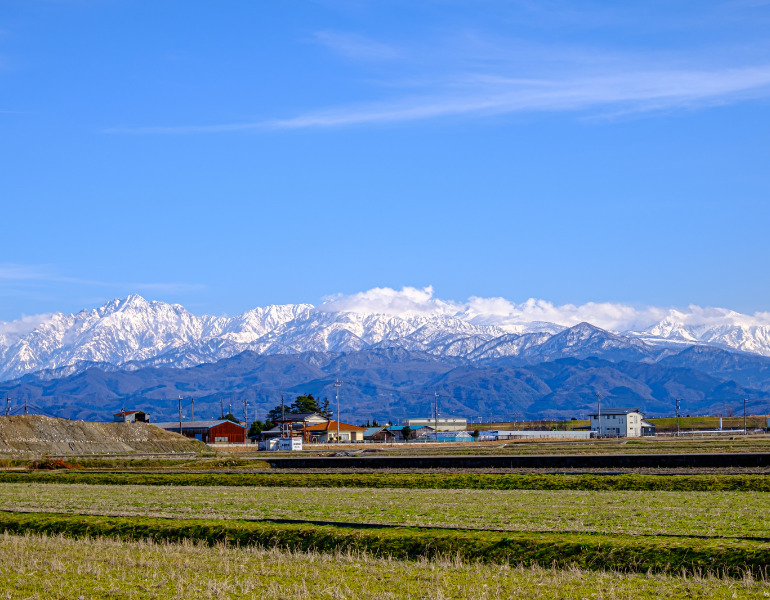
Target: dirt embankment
{"points": [[35, 435]]}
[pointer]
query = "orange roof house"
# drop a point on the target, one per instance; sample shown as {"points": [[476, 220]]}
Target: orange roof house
{"points": [[327, 432]]}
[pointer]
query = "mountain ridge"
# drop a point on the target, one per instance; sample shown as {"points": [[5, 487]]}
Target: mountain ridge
{"points": [[132, 333], [389, 384]]}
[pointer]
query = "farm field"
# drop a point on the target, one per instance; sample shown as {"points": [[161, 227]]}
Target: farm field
{"points": [[717, 514], [387, 533], [236, 454], [662, 424], [446, 480], [686, 444], [659, 445], [56, 567]]}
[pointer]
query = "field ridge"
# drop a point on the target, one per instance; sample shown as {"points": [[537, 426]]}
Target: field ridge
{"points": [[553, 549], [490, 481]]}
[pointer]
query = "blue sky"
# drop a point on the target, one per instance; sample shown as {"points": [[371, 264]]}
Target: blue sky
{"points": [[227, 155]]}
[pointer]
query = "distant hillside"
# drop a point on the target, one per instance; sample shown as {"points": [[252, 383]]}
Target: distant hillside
{"points": [[390, 384]]}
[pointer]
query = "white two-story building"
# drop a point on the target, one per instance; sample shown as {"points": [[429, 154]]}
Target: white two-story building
{"points": [[620, 422]]}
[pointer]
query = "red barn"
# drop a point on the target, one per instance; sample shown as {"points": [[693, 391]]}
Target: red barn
{"points": [[210, 432]]}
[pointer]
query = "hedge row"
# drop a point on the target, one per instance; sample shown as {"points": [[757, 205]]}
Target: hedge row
{"points": [[481, 481], [618, 552]]}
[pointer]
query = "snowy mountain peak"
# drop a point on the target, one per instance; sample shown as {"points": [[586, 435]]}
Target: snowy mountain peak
{"points": [[134, 331]]}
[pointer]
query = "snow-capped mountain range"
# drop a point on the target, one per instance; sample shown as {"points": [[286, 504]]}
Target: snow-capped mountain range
{"points": [[134, 332]]}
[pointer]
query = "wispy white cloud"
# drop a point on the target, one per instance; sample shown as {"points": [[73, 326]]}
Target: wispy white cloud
{"points": [[42, 274], [355, 46], [484, 94], [17, 272]]}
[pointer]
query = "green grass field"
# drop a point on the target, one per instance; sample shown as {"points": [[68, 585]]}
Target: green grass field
{"points": [[584, 550], [724, 514], [443, 480], [56, 567], [383, 535]]}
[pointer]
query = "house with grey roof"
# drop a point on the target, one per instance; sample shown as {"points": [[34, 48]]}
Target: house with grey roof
{"points": [[619, 422]]}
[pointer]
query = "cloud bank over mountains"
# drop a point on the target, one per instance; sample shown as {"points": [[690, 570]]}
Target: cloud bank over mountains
{"points": [[133, 332], [517, 317]]}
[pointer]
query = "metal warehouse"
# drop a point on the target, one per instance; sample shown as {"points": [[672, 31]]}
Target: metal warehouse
{"points": [[210, 432]]}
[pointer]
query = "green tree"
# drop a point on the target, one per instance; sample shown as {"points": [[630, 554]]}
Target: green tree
{"points": [[229, 417], [258, 427], [406, 432], [304, 404], [275, 414], [325, 410]]}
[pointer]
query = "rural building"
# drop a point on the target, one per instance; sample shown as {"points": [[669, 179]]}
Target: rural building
{"points": [[379, 434], [442, 423], [293, 425], [419, 431], [327, 432], [304, 419], [452, 436], [210, 432], [533, 434], [620, 422], [287, 444], [131, 416]]}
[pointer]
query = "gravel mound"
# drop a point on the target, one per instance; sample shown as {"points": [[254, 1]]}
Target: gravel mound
{"points": [[35, 435]]}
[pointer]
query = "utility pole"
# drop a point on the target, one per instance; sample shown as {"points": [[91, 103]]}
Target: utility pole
{"points": [[7, 405], [123, 410], [337, 384], [599, 414], [179, 403], [246, 420], [192, 409], [435, 414], [677, 418], [744, 416], [230, 407]]}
